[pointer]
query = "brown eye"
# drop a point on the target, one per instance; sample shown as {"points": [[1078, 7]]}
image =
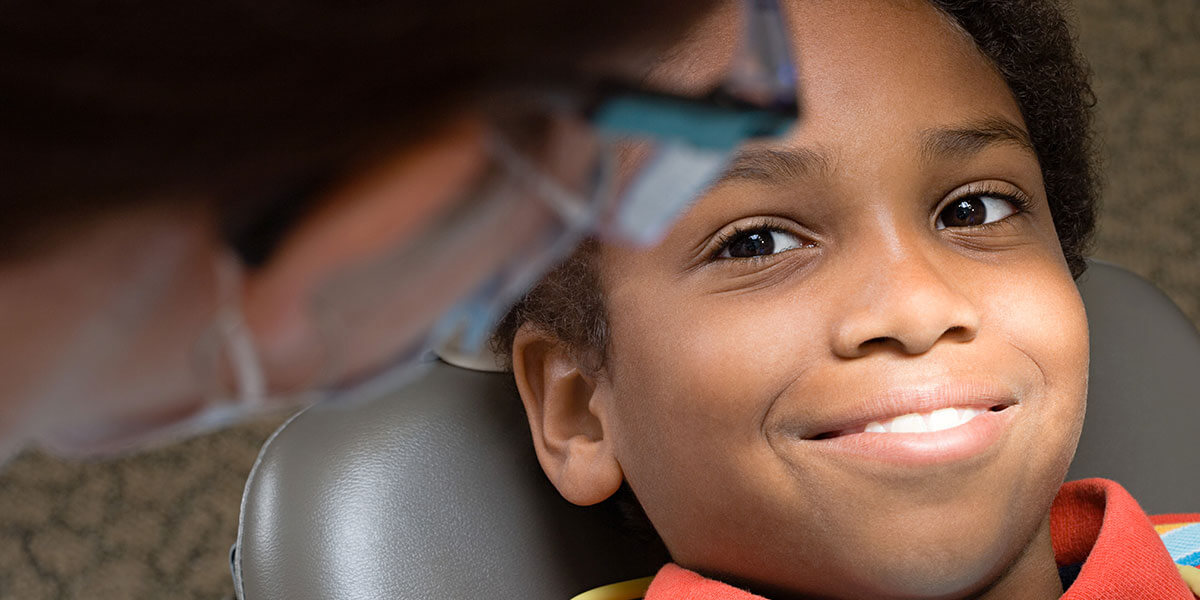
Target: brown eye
{"points": [[762, 241], [974, 210]]}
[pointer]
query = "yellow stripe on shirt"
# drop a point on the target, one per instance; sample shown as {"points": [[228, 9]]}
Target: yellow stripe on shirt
{"points": [[626, 590]]}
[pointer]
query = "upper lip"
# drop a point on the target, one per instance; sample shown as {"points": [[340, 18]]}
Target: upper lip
{"points": [[898, 401]]}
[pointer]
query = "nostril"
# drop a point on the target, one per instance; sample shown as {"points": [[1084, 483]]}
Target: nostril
{"points": [[876, 341], [957, 331]]}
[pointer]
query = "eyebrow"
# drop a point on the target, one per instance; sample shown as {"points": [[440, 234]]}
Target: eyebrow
{"points": [[972, 138], [771, 165]]}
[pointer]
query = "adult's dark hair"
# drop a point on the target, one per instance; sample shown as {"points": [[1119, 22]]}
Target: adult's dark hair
{"points": [[107, 104], [1030, 43]]}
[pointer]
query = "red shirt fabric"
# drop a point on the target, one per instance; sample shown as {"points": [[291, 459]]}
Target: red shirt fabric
{"points": [[1092, 521]]}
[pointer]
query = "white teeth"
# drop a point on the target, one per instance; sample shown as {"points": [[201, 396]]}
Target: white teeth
{"points": [[910, 423], [938, 420], [966, 414], [943, 418]]}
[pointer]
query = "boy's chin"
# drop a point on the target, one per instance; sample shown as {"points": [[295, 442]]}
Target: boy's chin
{"points": [[940, 573], [935, 577], [955, 560], [912, 561]]}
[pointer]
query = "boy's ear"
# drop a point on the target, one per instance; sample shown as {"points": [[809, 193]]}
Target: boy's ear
{"points": [[566, 417]]}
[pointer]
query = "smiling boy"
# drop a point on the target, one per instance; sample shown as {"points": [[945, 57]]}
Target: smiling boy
{"points": [[857, 368]]}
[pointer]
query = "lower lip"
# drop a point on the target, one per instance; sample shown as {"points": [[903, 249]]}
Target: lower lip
{"points": [[971, 439]]}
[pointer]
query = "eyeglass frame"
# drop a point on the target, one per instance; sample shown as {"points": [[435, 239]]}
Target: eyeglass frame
{"points": [[719, 119]]}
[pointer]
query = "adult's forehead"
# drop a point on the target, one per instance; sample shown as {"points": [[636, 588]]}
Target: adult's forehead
{"points": [[700, 60]]}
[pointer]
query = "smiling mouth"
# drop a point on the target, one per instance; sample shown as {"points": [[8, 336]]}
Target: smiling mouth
{"points": [[927, 422]]}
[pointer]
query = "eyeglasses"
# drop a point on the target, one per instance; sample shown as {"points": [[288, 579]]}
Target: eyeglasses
{"points": [[619, 162]]}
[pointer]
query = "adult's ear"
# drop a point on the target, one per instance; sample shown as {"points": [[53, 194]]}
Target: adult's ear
{"points": [[566, 411], [373, 211]]}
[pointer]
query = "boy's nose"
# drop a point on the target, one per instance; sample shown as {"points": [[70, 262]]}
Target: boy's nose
{"points": [[903, 301]]}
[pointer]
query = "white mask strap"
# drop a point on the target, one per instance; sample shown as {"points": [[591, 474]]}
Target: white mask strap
{"points": [[235, 338]]}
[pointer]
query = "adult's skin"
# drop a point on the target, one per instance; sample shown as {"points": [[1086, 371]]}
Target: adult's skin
{"points": [[112, 276]]}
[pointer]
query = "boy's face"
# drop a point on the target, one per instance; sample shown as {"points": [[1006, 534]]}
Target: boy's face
{"points": [[877, 262]]}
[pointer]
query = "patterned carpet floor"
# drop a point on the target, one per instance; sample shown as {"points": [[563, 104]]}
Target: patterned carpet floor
{"points": [[159, 525]]}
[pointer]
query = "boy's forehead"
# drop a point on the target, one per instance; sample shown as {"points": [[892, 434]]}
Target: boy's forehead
{"points": [[869, 70], [839, 46], [879, 79], [851, 47]]}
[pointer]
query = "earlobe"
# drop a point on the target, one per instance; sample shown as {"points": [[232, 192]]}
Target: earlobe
{"points": [[566, 411]]}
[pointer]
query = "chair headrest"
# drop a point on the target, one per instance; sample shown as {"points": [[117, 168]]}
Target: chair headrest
{"points": [[1143, 413], [431, 494]]}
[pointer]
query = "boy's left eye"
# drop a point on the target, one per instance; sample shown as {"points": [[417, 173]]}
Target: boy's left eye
{"points": [[761, 241], [975, 210]]}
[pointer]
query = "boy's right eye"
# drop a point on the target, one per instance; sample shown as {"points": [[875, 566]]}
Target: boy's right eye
{"points": [[756, 242]]}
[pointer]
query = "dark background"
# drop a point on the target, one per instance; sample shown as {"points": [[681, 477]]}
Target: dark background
{"points": [[159, 525]]}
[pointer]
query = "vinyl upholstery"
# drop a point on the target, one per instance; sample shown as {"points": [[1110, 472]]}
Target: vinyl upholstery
{"points": [[1143, 417]]}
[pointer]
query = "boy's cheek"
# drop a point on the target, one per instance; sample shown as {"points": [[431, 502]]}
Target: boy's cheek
{"points": [[1040, 313], [699, 351]]}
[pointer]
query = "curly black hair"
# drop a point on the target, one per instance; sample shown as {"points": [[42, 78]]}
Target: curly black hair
{"points": [[1031, 44]]}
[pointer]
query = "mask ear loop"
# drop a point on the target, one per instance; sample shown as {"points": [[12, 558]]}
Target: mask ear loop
{"points": [[250, 382], [224, 353], [574, 211], [461, 336], [228, 360], [228, 368]]}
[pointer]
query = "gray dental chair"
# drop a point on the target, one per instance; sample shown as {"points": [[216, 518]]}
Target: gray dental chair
{"points": [[433, 493]]}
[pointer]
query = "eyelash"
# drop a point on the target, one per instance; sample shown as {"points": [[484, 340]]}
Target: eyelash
{"points": [[1020, 202], [725, 238]]}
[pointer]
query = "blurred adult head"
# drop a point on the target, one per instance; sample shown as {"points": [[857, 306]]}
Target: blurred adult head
{"points": [[204, 199]]}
